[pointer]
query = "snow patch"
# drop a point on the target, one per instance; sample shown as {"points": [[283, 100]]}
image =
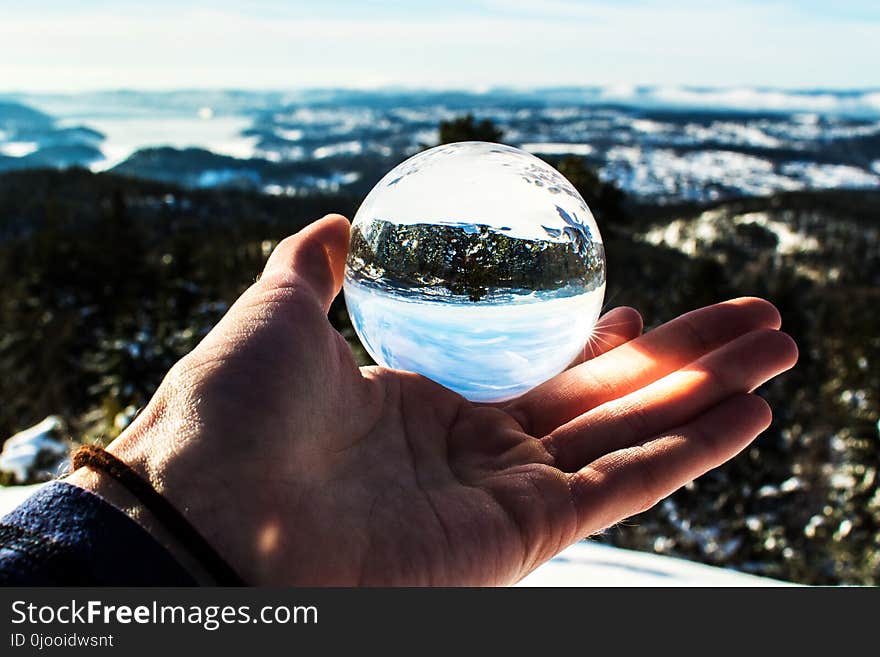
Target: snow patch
{"points": [[691, 236], [732, 134], [594, 564], [757, 99], [693, 175], [335, 150], [289, 134], [789, 241], [39, 452], [18, 148], [649, 127], [830, 175], [557, 148]]}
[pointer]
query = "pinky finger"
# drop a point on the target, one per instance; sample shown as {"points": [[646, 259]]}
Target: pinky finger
{"points": [[631, 480]]}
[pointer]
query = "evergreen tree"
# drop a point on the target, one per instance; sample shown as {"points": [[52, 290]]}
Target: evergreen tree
{"points": [[467, 128]]}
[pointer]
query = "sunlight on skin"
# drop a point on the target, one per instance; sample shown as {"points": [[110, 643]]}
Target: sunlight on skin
{"points": [[639, 362], [269, 538], [674, 398]]}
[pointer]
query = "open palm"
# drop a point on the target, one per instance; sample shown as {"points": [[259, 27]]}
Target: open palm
{"points": [[302, 468]]}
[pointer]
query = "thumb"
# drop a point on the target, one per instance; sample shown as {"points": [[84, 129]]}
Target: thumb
{"points": [[314, 257]]}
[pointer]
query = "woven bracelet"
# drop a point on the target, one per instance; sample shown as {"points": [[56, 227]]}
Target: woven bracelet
{"points": [[96, 458]]}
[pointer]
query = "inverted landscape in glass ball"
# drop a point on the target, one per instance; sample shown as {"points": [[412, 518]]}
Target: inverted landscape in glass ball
{"points": [[476, 265]]}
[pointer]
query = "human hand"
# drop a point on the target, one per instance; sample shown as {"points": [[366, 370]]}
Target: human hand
{"points": [[301, 468]]}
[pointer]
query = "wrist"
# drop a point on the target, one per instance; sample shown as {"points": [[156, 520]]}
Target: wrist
{"points": [[117, 496], [105, 475], [167, 447]]}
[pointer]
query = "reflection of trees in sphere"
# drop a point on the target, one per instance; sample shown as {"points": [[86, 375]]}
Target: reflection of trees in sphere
{"points": [[477, 265]]}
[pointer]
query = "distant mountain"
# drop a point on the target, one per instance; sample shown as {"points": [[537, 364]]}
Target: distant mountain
{"points": [[32, 139], [16, 118], [200, 168], [192, 167], [657, 144]]}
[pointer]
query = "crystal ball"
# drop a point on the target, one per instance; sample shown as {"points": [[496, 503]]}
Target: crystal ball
{"points": [[478, 266]]}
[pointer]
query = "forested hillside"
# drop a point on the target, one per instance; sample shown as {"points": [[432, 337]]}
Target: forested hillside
{"points": [[108, 280]]}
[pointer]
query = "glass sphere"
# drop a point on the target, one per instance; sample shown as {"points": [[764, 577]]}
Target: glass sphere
{"points": [[476, 265]]}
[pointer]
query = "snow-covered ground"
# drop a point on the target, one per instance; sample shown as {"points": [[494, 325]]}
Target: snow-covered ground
{"points": [[12, 496], [693, 236], [38, 453], [594, 564], [582, 564]]}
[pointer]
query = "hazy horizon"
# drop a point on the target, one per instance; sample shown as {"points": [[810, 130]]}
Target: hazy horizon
{"points": [[416, 88]]}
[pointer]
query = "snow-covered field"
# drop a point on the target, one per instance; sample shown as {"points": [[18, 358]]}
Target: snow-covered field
{"points": [[594, 564], [661, 144]]}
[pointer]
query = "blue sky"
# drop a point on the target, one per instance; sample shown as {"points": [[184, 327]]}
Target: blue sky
{"points": [[68, 45]]}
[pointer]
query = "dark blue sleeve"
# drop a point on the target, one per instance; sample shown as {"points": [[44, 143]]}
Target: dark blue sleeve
{"points": [[66, 536]]}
